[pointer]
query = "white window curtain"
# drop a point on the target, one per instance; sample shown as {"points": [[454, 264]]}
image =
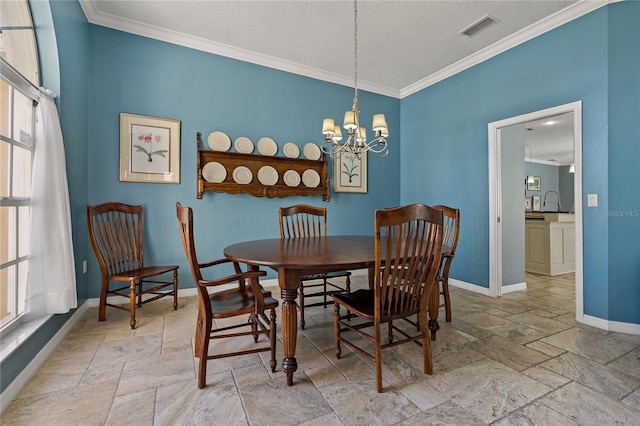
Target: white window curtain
{"points": [[51, 282]]}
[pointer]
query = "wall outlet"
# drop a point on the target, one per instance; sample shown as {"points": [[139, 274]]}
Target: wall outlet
{"points": [[84, 266], [592, 200]]}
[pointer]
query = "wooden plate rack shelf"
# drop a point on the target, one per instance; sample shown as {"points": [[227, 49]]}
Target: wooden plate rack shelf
{"points": [[231, 160]]}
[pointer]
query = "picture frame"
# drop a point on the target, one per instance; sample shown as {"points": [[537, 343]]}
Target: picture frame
{"points": [[350, 173], [149, 149], [537, 204], [535, 185], [528, 204]]}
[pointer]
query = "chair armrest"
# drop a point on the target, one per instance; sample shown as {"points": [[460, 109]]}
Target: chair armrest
{"points": [[240, 277], [214, 262], [231, 278], [236, 265]]}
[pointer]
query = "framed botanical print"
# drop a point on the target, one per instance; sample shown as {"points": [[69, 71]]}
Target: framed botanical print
{"points": [[537, 206], [528, 204], [149, 149], [350, 173], [534, 184]]}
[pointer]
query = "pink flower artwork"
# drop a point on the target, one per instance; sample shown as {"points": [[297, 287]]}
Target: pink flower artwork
{"points": [[147, 138]]}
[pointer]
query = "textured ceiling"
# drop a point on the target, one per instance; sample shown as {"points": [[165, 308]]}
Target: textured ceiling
{"points": [[550, 140], [403, 46]]}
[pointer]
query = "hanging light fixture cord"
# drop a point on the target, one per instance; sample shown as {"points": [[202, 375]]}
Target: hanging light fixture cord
{"points": [[356, 142], [355, 51]]}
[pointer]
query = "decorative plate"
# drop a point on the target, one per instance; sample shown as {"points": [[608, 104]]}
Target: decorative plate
{"points": [[311, 151], [310, 178], [243, 145], [219, 141], [267, 175], [242, 175], [267, 146], [214, 172], [291, 150], [291, 178]]}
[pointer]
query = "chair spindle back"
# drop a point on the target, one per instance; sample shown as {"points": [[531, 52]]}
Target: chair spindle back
{"points": [[451, 223], [115, 231], [302, 221], [412, 239]]}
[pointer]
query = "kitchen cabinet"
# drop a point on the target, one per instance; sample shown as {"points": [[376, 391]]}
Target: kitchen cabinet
{"points": [[550, 243]]}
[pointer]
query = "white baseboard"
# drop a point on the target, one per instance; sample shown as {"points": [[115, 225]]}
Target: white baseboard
{"points": [[186, 292], [513, 287], [32, 368], [182, 292], [618, 327], [470, 287]]}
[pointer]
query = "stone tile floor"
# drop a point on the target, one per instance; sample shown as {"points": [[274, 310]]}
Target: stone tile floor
{"points": [[518, 360]]}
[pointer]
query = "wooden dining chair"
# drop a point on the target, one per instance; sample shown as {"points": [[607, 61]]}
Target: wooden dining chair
{"points": [[308, 221], [241, 300], [451, 225], [408, 242], [115, 231]]}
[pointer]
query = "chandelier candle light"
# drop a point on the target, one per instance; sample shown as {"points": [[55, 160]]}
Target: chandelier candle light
{"points": [[530, 178], [356, 142]]}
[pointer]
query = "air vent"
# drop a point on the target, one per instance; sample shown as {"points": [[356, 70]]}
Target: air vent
{"points": [[478, 26]]}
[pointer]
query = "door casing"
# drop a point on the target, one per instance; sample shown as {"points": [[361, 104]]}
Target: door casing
{"points": [[495, 202]]}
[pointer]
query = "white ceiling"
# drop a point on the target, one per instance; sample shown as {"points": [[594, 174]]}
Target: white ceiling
{"points": [[403, 46], [550, 140]]}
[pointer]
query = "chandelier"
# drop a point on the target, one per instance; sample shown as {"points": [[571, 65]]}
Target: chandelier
{"points": [[356, 142]]}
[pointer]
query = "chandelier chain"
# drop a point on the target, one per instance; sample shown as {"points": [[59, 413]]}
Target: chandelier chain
{"points": [[355, 50]]}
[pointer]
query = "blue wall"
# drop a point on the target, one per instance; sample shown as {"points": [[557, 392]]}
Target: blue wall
{"points": [[206, 92], [549, 181], [445, 126], [552, 178], [623, 209], [566, 188]]}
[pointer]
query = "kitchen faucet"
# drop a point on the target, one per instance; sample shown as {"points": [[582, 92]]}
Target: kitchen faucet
{"points": [[544, 203]]}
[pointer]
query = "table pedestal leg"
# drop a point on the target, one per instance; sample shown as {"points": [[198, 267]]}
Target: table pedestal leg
{"points": [[289, 325]]}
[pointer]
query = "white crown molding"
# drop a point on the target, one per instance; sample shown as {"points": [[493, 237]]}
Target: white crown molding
{"points": [[198, 43], [568, 14]]}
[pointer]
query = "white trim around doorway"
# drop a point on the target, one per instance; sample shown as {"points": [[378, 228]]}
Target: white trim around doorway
{"points": [[495, 229]]}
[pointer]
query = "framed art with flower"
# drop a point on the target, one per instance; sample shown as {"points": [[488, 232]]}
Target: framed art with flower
{"points": [[149, 149], [350, 173]]}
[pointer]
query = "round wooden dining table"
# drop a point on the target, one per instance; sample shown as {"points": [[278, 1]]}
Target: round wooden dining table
{"points": [[293, 257]]}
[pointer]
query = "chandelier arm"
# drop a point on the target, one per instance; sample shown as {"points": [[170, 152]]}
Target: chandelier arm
{"points": [[376, 146]]}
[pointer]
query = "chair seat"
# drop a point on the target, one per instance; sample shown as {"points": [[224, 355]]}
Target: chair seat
{"points": [[362, 302], [229, 303], [147, 271]]}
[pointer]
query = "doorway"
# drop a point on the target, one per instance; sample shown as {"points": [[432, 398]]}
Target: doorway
{"points": [[496, 249]]}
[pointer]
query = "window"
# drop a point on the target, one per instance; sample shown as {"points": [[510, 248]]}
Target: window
{"points": [[19, 65]]}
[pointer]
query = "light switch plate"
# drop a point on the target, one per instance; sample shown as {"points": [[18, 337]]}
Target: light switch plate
{"points": [[592, 200]]}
